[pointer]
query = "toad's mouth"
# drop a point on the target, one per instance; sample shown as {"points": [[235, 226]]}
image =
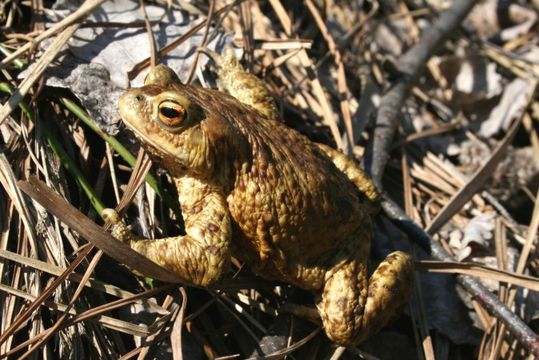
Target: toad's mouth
{"points": [[156, 146]]}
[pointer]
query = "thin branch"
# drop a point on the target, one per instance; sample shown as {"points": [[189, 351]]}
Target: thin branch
{"points": [[410, 66], [491, 303], [77, 15]]}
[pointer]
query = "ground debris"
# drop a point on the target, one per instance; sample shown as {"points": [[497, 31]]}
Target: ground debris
{"points": [[340, 72]]}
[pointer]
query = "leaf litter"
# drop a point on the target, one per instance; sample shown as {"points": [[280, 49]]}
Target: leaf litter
{"points": [[461, 167]]}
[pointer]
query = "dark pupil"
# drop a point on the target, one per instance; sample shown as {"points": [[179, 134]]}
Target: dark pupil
{"points": [[169, 112]]}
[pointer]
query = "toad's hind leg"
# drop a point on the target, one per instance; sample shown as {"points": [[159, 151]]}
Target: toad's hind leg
{"points": [[353, 307], [244, 86]]}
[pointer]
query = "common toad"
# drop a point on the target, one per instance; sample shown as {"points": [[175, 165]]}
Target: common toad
{"points": [[250, 187]]}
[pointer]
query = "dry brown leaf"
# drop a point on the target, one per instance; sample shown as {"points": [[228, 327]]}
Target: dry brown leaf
{"points": [[93, 233]]}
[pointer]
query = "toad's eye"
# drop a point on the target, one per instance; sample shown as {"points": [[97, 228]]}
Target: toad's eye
{"points": [[171, 113]]}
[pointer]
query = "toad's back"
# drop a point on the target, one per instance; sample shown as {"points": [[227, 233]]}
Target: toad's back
{"points": [[291, 206]]}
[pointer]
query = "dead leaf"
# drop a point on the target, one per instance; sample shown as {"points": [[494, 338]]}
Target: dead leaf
{"points": [[512, 104]]}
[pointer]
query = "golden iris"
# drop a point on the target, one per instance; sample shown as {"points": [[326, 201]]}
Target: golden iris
{"points": [[171, 113]]}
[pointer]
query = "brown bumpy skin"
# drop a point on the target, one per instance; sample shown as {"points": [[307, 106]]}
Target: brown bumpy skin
{"points": [[250, 187]]}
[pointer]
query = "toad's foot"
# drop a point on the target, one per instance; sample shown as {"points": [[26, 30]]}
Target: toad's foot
{"points": [[119, 230], [353, 307], [200, 257]]}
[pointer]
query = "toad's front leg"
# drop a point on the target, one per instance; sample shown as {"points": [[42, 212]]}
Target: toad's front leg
{"points": [[200, 256]]}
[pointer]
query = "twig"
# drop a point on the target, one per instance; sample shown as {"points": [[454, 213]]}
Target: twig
{"points": [[410, 66], [514, 324], [176, 334], [71, 216], [311, 72], [46, 334], [466, 192], [151, 37], [28, 311], [38, 70], [81, 12], [523, 259], [344, 93], [209, 18], [174, 44]]}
